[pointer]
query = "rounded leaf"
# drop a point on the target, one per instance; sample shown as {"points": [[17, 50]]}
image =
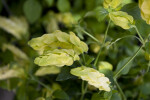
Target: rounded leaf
{"points": [[32, 10]]}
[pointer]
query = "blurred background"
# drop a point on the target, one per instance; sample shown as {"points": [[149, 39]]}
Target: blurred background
{"points": [[21, 20]]}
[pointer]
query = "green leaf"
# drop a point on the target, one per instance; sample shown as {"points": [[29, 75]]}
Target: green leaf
{"points": [[63, 5], [40, 98], [79, 32], [22, 92], [144, 30], [60, 94], [77, 5], [144, 88], [147, 47], [96, 96], [101, 13], [32, 10], [116, 96], [122, 63], [88, 59], [108, 95], [48, 98], [64, 74], [132, 9], [49, 2]]}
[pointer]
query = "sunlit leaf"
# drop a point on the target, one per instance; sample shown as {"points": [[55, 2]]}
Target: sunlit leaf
{"points": [[16, 51], [47, 70], [16, 26]]}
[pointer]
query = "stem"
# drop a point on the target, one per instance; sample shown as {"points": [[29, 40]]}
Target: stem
{"points": [[8, 84], [119, 88], [139, 34], [139, 95], [91, 36], [116, 75], [83, 58], [82, 90], [148, 67], [32, 78], [95, 63], [6, 7], [106, 31]]}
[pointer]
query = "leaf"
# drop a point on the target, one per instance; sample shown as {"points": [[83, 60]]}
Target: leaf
{"points": [[40, 98], [116, 96], [49, 2], [16, 51], [47, 70], [48, 98], [147, 47], [63, 5], [122, 63], [144, 30], [64, 74], [22, 92], [88, 59], [108, 95], [132, 9], [60, 94], [77, 5], [32, 10], [101, 13], [144, 88], [79, 32], [14, 72], [17, 26], [96, 96]]}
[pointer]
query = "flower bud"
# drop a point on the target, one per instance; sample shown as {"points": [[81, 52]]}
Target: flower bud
{"points": [[122, 19], [105, 65], [147, 56], [145, 10], [95, 47]]}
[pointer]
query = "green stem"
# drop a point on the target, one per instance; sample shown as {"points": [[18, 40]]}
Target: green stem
{"points": [[119, 88], [139, 95], [83, 58], [106, 32], [148, 67], [91, 36], [36, 80], [116, 75], [82, 90], [8, 84], [139, 34]]}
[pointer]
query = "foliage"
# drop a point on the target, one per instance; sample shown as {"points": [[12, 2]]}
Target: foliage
{"points": [[75, 49]]}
